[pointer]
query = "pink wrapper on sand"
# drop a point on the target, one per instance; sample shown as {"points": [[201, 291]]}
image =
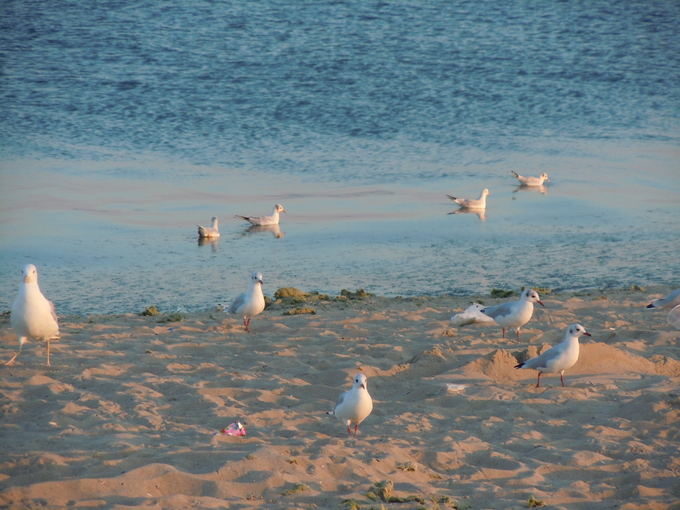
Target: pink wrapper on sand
{"points": [[234, 429]]}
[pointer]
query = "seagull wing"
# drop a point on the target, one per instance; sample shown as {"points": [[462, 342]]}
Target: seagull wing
{"points": [[498, 310], [238, 303]]}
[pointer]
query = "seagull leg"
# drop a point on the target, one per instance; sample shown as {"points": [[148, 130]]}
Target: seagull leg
{"points": [[503, 332], [517, 333], [22, 341], [349, 430], [356, 429], [562, 378], [538, 381], [48, 352]]}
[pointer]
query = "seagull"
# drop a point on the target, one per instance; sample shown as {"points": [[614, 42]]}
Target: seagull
{"points": [[207, 232], [33, 316], [531, 181], [250, 303], [559, 357], [670, 301], [466, 203], [471, 315], [354, 405], [272, 219], [514, 314]]}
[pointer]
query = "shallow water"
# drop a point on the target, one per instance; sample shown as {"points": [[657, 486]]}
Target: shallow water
{"points": [[126, 125]]}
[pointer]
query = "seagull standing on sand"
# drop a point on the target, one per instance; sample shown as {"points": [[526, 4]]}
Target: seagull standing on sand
{"points": [[272, 219], [33, 316], [514, 314], [250, 303], [560, 357], [531, 181], [354, 405], [469, 203], [209, 232]]}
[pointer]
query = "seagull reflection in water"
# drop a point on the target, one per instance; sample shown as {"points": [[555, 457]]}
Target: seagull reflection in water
{"points": [[481, 213], [542, 189], [213, 242], [274, 229]]}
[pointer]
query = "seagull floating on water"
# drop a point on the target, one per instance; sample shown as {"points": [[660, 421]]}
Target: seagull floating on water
{"points": [[250, 303], [560, 357], [33, 315], [469, 203], [514, 314], [209, 232], [354, 405], [531, 181], [272, 219]]}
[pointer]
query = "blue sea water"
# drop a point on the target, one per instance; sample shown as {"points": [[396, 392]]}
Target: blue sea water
{"points": [[126, 123]]}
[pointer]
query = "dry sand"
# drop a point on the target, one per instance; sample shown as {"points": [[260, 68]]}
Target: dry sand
{"points": [[125, 416]]}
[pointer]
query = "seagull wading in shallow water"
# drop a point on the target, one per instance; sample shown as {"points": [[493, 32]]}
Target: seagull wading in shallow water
{"points": [[250, 303], [33, 315], [469, 203], [514, 314], [209, 232], [355, 404], [272, 219], [530, 181], [560, 357]]}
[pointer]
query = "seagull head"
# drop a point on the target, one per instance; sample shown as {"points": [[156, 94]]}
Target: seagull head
{"points": [[257, 278], [486, 192], [532, 296], [577, 330], [544, 176], [29, 273], [279, 208], [360, 381]]}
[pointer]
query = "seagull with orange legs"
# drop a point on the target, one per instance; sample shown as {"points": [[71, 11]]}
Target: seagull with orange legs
{"points": [[354, 405], [33, 315], [514, 314], [560, 357], [250, 303]]}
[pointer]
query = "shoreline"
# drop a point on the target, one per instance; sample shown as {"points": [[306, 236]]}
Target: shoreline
{"points": [[126, 415]]}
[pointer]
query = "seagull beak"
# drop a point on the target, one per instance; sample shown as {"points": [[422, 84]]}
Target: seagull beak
{"points": [[587, 334], [540, 303], [363, 386]]}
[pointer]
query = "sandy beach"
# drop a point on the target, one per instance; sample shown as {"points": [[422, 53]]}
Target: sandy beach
{"points": [[126, 416]]}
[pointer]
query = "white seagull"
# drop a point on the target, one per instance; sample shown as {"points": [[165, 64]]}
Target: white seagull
{"points": [[33, 316], [670, 301], [272, 219], [469, 203], [209, 232], [514, 314], [472, 315], [250, 303], [531, 181], [559, 357], [354, 405]]}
